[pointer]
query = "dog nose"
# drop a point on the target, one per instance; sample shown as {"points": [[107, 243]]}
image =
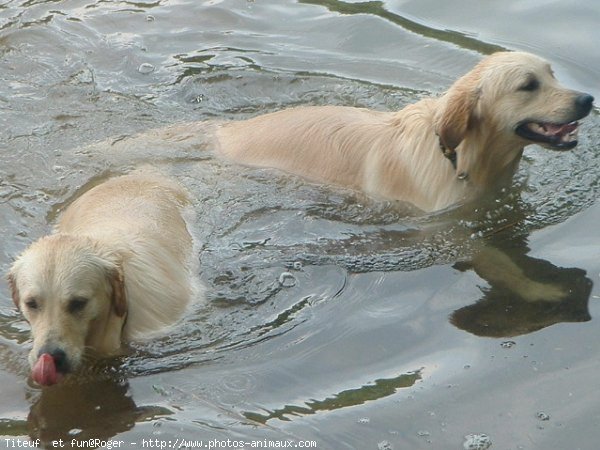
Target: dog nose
{"points": [[59, 356], [583, 103]]}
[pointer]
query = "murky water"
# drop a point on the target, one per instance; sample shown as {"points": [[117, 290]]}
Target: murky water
{"points": [[333, 318]]}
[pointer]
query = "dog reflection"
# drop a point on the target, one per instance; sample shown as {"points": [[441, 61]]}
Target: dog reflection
{"points": [[525, 294], [90, 409]]}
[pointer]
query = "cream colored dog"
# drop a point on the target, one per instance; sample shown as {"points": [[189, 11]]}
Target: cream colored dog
{"points": [[116, 268], [434, 153]]}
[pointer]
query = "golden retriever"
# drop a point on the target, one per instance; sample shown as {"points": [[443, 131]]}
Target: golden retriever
{"points": [[116, 268], [434, 153]]}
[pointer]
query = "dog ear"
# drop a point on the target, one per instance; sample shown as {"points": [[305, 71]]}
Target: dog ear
{"points": [[12, 284], [119, 300], [452, 122]]}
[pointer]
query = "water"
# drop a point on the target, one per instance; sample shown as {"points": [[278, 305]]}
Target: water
{"points": [[332, 317]]}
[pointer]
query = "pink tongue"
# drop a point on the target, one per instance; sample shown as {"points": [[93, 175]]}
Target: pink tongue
{"points": [[44, 371]]}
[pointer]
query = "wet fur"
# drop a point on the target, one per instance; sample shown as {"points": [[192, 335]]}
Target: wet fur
{"points": [[397, 155], [125, 247]]}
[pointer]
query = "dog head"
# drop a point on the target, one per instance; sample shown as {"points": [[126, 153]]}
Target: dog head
{"points": [[515, 98], [72, 294]]}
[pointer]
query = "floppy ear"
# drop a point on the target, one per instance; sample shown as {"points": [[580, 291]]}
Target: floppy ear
{"points": [[119, 300], [452, 122], [12, 284]]}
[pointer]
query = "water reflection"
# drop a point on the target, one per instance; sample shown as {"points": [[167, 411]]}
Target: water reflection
{"points": [[524, 294], [83, 409], [377, 8], [350, 397]]}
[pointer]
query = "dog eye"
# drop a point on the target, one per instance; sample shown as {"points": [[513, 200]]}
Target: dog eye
{"points": [[32, 303], [77, 304], [530, 86]]}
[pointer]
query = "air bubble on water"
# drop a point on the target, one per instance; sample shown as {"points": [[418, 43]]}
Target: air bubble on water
{"points": [[542, 416], [297, 265], [508, 344], [286, 279], [363, 420], [477, 442], [146, 68], [423, 433], [150, 18], [384, 445]]}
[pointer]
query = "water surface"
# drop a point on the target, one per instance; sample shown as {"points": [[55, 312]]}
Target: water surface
{"points": [[332, 317]]}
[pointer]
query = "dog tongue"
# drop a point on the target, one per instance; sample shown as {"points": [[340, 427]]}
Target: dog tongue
{"points": [[44, 371]]}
